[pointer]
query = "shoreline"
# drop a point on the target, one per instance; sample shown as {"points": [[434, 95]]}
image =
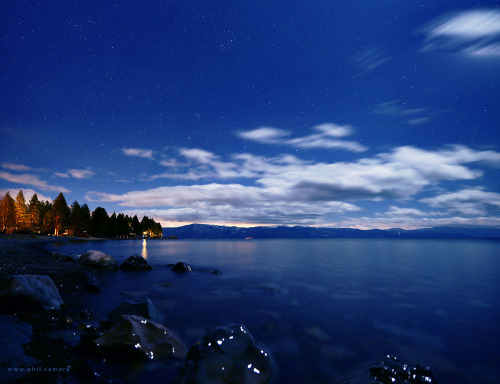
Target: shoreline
{"points": [[26, 255]]}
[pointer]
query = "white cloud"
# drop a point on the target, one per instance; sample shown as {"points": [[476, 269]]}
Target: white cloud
{"points": [[138, 152], [475, 32], [33, 180], [15, 167], [80, 173], [288, 190], [470, 202], [265, 135], [326, 137]]}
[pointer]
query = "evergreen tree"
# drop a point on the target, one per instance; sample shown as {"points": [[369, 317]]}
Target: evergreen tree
{"points": [[85, 219], [99, 222], [136, 226], [112, 229], [122, 227], [61, 214], [75, 219], [46, 217], [34, 213], [7, 214], [21, 211]]}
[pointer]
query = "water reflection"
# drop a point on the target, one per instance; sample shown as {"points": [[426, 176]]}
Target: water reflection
{"points": [[144, 249]]}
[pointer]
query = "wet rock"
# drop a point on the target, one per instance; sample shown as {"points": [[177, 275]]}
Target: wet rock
{"points": [[63, 257], [132, 337], [135, 263], [140, 307], [182, 267], [29, 292], [14, 333], [228, 355], [98, 259], [92, 284], [389, 370]]}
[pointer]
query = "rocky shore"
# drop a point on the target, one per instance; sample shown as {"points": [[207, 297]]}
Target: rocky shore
{"points": [[49, 335]]}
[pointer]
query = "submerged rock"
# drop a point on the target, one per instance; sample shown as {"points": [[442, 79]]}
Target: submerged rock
{"points": [[98, 259], [27, 292], [227, 355], [135, 263], [389, 370], [134, 336], [140, 307], [92, 284], [182, 267], [14, 333]]}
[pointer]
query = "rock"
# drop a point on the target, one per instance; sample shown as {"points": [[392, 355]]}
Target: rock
{"points": [[133, 336], [182, 267], [389, 370], [140, 307], [228, 355], [62, 257], [98, 259], [135, 263], [27, 292], [92, 284], [14, 333]]}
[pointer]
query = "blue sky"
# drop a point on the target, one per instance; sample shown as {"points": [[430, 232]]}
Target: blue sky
{"points": [[366, 114]]}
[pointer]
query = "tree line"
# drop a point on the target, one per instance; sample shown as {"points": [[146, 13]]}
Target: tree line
{"points": [[44, 217]]}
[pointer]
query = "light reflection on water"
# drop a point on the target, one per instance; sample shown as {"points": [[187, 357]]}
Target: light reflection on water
{"points": [[323, 306], [144, 253]]}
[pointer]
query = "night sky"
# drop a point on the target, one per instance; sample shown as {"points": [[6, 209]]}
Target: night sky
{"points": [[366, 113]]}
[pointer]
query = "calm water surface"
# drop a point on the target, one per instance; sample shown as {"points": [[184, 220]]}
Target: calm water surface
{"points": [[323, 306]]}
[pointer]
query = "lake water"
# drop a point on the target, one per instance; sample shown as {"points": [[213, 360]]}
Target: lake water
{"points": [[323, 306]]}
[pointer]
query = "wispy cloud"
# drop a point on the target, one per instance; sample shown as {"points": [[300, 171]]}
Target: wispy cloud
{"points": [[15, 167], [75, 173], [29, 179], [138, 152], [469, 202], [475, 32], [61, 174], [370, 59], [326, 136], [396, 108]]}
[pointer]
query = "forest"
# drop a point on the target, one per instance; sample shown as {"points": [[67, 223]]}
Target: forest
{"points": [[58, 218]]}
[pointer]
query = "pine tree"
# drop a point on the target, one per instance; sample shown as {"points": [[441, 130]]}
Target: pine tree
{"points": [[75, 219], [46, 217], [21, 211], [34, 213], [61, 214], [7, 214], [99, 222], [85, 219]]}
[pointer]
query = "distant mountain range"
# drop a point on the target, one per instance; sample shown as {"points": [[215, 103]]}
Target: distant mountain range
{"points": [[205, 231]]}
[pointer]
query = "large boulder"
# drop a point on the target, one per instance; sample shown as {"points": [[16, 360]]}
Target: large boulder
{"points": [[132, 337], [227, 355], [135, 263], [140, 307], [29, 292], [98, 259], [389, 370]]}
